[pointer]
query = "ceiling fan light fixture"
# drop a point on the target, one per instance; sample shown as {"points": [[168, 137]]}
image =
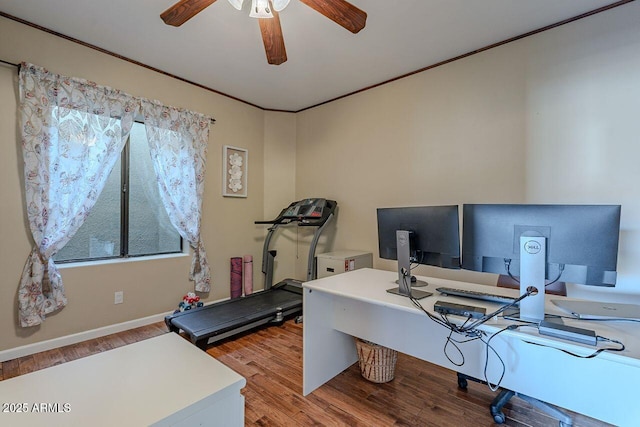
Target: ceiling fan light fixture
{"points": [[260, 9], [278, 5], [341, 12], [236, 3]]}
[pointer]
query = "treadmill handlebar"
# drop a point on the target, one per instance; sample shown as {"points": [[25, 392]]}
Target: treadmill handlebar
{"points": [[273, 221]]}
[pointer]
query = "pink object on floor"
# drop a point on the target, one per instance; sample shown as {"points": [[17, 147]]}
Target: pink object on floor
{"points": [[236, 277], [248, 274]]}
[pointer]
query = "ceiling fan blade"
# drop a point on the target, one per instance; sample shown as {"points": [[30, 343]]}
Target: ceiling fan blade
{"points": [[272, 39], [341, 12], [184, 10]]}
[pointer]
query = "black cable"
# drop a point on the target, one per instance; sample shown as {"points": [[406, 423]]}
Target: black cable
{"points": [[505, 307], [465, 322], [431, 316], [472, 333], [416, 262], [443, 320], [496, 386], [454, 344], [621, 348], [507, 266], [452, 327], [561, 268], [464, 329]]}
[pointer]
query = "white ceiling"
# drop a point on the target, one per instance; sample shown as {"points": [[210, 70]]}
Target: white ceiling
{"points": [[221, 48]]}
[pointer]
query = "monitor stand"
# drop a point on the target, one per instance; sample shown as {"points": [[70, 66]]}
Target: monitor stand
{"points": [[416, 283], [415, 294], [533, 261], [404, 269]]}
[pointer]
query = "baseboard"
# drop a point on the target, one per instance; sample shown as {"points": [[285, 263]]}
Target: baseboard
{"points": [[26, 350]]}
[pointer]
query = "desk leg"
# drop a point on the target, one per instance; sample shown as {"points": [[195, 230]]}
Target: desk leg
{"points": [[326, 352]]}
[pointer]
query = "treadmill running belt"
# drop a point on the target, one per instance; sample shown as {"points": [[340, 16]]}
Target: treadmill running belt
{"points": [[222, 317]]}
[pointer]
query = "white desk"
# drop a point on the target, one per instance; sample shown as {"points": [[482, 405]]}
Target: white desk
{"points": [[357, 304], [162, 381]]}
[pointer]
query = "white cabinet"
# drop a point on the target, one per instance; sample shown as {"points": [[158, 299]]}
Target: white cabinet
{"points": [[331, 263]]}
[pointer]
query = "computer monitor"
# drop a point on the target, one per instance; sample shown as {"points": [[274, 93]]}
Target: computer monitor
{"points": [[572, 243], [426, 235]]}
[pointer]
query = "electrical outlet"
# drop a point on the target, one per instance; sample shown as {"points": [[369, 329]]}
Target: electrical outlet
{"points": [[119, 297]]}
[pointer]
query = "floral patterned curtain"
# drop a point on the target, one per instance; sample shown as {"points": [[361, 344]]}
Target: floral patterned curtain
{"points": [[72, 134], [178, 143]]}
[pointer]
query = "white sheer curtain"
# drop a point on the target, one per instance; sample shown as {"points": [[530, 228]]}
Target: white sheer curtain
{"points": [[72, 134], [178, 143]]}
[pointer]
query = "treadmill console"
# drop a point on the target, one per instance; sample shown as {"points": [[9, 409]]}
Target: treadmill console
{"points": [[308, 208], [314, 212]]}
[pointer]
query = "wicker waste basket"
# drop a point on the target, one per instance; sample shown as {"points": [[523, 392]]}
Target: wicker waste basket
{"points": [[377, 363]]}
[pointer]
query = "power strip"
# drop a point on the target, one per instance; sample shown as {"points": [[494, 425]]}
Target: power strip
{"points": [[584, 336], [445, 307]]}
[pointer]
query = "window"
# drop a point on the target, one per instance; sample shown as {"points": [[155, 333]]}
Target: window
{"points": [[129, 218]]}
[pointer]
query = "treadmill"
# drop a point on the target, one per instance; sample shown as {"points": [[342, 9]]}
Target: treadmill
{"points": [[214, 322]]}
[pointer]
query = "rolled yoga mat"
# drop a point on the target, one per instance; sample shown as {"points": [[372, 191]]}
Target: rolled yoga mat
{"points": [[248, 275], [236, 277]]}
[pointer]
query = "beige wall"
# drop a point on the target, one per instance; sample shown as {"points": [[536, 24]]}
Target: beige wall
{"points": [[150, 287], [450, 135], [548, 119], [583, 132], [279, 189]]}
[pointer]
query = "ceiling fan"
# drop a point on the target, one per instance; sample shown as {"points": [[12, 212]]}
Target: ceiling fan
{"points": [[341, 12]]}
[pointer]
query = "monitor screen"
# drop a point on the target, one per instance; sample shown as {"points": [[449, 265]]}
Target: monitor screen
{"points": [[433, 234], [581, 240]]}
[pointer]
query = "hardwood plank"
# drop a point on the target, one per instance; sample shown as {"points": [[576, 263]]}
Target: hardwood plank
{"points": [[140, 334], [49, 358], [74, 351], [244, 367], [10, 369], [27, 364], [344, 417], [251, 415], [270, 415], [351, 401]]}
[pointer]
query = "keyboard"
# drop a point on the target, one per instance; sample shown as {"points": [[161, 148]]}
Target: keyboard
{"points": [[483, 296]]}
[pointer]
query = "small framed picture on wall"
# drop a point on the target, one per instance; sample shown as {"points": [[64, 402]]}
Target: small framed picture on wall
{"points": [[235, 166]]}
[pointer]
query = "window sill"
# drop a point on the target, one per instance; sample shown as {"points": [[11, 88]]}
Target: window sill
{"points": [[63, 266]]}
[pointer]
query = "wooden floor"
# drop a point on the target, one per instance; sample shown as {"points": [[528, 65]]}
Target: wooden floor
{"points": [[270, 359]]}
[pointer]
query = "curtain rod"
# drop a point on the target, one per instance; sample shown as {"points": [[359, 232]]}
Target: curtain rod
{"points": [[9, 63]]}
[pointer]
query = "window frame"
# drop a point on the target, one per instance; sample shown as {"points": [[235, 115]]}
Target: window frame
{"points": [[125, 166]]}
